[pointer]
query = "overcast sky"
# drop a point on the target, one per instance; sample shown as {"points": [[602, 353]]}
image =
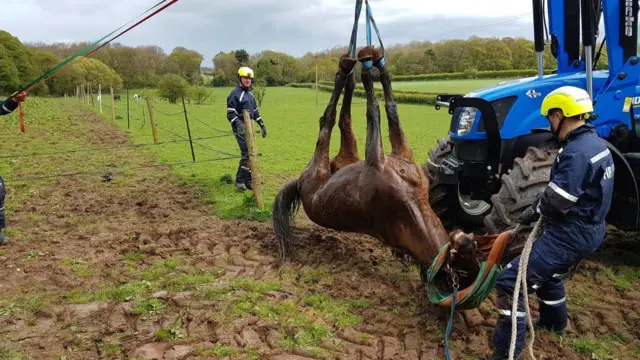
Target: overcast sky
{"points": [[291, 26]]}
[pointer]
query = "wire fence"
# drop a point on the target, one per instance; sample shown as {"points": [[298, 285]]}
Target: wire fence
{"points": [[148, 115], [63, 152]]}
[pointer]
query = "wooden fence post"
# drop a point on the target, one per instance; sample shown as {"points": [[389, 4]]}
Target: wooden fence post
{"points": [[128, 121], [113, 105], [154, 131], [253, 159], [100, 96]]}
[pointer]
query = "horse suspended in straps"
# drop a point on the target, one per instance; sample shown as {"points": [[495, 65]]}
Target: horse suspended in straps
{"points": [[384, 196]]}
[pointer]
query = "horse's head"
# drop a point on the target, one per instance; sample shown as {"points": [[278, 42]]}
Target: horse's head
{"points": [[463, 255], [462, 247]]}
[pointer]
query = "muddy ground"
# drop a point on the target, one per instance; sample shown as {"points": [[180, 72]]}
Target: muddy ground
{"points": [[134, 266]]}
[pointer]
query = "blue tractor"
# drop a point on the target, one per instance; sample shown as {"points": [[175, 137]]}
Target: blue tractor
{"points": [[499, 149]]}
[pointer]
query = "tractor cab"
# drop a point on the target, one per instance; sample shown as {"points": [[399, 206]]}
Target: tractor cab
{"points": [[499, 148]]}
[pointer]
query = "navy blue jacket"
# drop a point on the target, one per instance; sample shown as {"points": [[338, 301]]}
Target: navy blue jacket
{"points": [[242, 99], [581, 185], [7, 106]]}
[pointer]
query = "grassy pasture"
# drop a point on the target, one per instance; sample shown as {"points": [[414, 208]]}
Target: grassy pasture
{"points": [[291, 117]]}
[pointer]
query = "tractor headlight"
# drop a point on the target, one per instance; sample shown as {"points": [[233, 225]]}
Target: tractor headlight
{"points": [[467, 118]]}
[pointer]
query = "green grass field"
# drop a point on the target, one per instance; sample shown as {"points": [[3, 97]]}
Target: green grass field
{"points": [[444, 86], [291, 117]]}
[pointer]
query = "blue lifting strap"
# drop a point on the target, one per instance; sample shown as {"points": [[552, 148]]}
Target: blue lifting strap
{"points": [[354, 34], [371, 20]]}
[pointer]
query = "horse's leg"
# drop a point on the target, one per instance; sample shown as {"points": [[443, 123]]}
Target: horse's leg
{"points": [[399, 145], [348, 153], [313, 177], [320, 161], [374, 155]]}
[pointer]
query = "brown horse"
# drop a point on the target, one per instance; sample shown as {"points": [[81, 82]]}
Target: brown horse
{"points": [[384, 196]]}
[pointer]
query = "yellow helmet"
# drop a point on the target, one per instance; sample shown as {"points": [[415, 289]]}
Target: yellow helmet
{"points": [[245, 72], [570, 99]]}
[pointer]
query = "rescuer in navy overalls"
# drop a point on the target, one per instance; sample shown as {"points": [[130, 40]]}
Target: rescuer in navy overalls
{"points": [[239, 99], [7, 107], [575, 203]]}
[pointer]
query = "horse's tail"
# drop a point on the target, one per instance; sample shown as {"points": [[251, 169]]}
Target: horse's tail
{"points": [[285, 207]]}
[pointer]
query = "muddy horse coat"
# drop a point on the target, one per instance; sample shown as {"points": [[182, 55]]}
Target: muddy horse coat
{"points": [[384, 196]]}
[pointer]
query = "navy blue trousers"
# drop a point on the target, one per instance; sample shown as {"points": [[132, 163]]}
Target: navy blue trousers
{"points": [[561, 246], [243, 175]]}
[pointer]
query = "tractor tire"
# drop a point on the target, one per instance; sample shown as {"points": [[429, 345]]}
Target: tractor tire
{"points": [[445, 201], [520, 186]]}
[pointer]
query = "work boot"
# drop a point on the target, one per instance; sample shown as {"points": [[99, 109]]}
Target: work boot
{"points": [[4, 240]]}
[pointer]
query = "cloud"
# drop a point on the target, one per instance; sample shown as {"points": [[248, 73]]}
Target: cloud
{"points": [[291, 26]]}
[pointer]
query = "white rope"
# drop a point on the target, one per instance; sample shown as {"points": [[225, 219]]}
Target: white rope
{"points": [[522, 279]]}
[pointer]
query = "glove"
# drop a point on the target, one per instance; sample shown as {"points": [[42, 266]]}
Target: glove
{"points": [[240, 126], [263, 129], [528, 216], [19, 97]]}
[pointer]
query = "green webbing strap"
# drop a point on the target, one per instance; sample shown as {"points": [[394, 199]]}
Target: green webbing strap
{"points": [[81, 52], [474, 297]]}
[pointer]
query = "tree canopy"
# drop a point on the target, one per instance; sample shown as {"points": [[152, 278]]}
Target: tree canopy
{"points": [[145, 66]]}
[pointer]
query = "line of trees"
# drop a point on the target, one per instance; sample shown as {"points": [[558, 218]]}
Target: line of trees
{"points": [[469, 56], [113, 65], [150, 67]]}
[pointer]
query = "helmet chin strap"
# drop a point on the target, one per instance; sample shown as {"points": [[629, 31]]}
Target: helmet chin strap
{"points": [[556, 133], [242, 85]]}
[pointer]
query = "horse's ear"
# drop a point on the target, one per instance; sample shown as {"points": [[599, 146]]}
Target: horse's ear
{"points": [[455, 235]]}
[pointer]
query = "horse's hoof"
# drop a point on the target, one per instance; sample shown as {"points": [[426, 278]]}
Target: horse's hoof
{"points": [[347, 63], [367, 53], [379, 60]]}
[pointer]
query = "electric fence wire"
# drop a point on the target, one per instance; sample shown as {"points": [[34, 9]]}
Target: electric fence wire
{"points": [[62, 152], [204, 146], [483, 26], [209, 126]]}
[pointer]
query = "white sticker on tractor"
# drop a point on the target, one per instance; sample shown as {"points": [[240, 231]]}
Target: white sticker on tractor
{"points": [[533, 94]]}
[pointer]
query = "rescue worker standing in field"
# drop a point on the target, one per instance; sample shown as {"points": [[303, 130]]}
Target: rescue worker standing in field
{"points": [[7, 107], [575, 203], [241, 98]]}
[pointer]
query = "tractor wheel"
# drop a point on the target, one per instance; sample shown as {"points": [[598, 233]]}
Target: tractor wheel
{"points": [[520, 186], [454, 209]]}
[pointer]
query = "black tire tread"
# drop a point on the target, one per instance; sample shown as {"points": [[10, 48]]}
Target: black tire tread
{"points": [[527, 178], [439, 194]]}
